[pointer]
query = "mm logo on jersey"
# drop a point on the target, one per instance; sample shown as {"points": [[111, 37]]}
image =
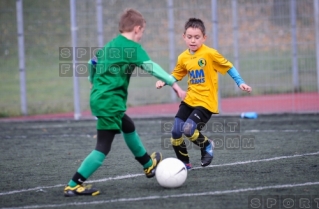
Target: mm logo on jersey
{"points": [[196, 76], [202, 62]]}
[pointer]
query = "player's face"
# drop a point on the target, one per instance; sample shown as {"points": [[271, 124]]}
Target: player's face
{"points": [[138, 33], [194, 38]]}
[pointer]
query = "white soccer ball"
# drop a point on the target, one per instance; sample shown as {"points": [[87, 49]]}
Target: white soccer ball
{"points": [[171, 173]]}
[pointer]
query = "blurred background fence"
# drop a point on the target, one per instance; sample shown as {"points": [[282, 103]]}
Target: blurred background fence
{"points": [[273, 43]]}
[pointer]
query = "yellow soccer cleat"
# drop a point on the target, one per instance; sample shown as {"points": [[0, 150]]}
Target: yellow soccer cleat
{"points": [[156, 158], [80, 190]]}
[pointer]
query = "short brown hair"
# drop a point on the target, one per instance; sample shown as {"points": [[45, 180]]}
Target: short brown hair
{"points": [[129, 19], [195, 23]]}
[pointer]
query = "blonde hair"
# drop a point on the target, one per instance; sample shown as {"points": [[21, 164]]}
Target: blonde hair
{"points": [[129, 19]]}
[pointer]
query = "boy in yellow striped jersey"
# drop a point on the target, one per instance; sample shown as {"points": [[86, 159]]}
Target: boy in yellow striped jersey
{"points": [[202, 65]]}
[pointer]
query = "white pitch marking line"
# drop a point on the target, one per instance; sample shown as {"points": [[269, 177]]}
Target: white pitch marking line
{"points": [[61, 185], [262, 160], [136, 175], [116, 178], [211, 193], [287, 130]]}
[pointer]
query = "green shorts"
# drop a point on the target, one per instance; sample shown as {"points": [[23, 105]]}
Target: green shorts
{"points": [[109, 123]]}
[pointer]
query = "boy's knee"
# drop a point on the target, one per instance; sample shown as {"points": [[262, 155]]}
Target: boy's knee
{"points": [[176, 133], [189, 128]]}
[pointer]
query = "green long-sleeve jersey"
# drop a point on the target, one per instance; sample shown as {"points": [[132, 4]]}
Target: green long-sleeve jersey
{"points": [[110, 75]]}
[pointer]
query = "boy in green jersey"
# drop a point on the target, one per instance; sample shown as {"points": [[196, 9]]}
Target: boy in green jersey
{"points": [[110, 73]]}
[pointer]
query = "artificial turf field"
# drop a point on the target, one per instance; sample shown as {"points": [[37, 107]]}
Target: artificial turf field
{"points": [[277, 168]]}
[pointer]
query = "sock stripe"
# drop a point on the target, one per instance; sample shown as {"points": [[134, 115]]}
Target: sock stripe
{"points": [[177, 142], [186, 155], [194, 136], [143, 159]]}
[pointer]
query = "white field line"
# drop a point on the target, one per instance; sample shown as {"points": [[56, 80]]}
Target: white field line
{"points": [[262, 160], [62, 185], [136, 175], [210, 193], [284, 130]]}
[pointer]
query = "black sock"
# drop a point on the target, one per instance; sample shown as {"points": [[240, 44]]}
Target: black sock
{"points": [[180, 149]]}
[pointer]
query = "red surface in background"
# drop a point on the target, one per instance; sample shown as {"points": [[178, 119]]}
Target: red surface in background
{"points": [[281, 103], [308, 102]]}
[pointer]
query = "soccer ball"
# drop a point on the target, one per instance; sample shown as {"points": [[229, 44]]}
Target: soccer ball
{"points": [[171, 173]]}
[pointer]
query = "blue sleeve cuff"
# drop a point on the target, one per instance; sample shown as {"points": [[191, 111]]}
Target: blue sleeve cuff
{"points": [[235, 75], [94, 60]]}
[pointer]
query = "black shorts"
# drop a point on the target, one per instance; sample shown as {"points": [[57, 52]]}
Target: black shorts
{"points": [[199, 115]]}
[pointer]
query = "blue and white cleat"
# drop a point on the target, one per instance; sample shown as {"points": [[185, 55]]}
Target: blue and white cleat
{"points": [[207, 154]]}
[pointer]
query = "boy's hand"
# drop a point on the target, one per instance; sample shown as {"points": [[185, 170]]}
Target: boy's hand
{"points": [[159, 84], [245, 87], [180, 92]]}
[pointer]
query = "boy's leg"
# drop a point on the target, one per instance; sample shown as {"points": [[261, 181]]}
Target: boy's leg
{"points": [[136, 146], [177, 140], [92, 162], [196, 121]]}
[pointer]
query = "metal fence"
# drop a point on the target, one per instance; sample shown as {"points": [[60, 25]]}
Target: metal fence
{"points": [[273, 43]]}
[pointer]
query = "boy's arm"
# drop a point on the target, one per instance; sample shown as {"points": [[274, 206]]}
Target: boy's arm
{"points": [[178, 73], [157, 71], [239, 81], [235, 75]]}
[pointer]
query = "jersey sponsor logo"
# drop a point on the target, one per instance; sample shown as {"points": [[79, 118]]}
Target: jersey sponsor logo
{"points": [[197, 76], [202, 62]]}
